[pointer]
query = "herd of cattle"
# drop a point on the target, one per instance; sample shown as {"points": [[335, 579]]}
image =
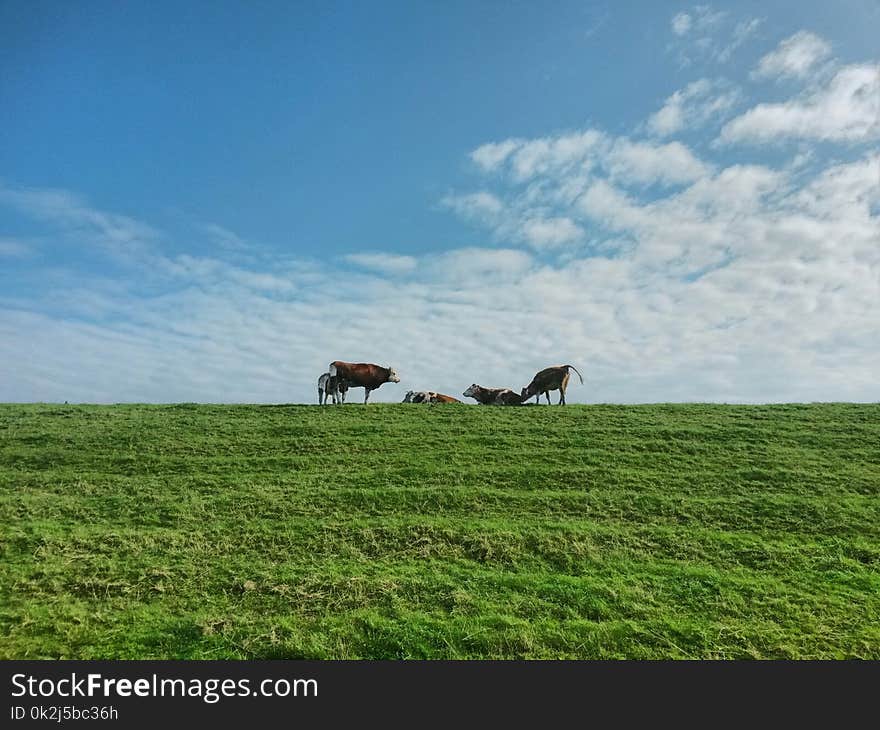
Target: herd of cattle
{"points": [[340, 376]]}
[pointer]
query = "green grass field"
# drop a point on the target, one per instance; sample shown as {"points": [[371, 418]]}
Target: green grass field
{"points": [[413, 531]]}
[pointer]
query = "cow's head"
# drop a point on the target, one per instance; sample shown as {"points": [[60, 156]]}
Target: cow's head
{"points": [[527, 392], [393, 377], [408, 397], [471, 392]]}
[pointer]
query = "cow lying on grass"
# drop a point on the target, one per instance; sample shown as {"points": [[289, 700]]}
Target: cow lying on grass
{"points": [[552, 378], [428, 396], [493, 396], [330, 386], [362, 375]]}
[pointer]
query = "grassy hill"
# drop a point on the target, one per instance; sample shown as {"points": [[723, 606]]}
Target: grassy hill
{"points": [[200, 531]]}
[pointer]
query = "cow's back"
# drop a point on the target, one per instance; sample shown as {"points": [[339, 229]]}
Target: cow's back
{"points": [[550, 378], [339, 367], [487, 396], [359, 373]]}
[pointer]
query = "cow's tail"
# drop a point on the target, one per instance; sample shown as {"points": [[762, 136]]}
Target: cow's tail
{"points": [[332, 370], [576, 370]]}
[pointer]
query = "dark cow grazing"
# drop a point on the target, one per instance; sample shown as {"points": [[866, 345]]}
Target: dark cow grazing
{"points": [[493, 396], [330, 386], [428, 396], [362, 375], [552, 378]]}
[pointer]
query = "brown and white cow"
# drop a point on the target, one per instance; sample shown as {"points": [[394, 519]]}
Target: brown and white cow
{"points": [[428, 396], [493, 396], [552, 378], [331, 386], [362, 375]]}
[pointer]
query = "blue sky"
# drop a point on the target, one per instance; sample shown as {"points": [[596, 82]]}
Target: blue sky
{"points": [[210, 202]]}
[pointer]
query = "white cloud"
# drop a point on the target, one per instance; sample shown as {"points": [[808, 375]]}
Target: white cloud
{"points": [[706, 18], [526, 159], [646, 163], [210, 272], [693, 106], [769, 277], [610, 206], [794, 57], [703, 34], [119, 236], [681, 23], [521, 222], [747, 285], [480, 206], [561, 158], [224, 238], [556, 171], [741, 33], [846, 109], [490, 156], [477, 264], [671, 116], [701, 18], [551, 232], [843, 191], [383, 262]]}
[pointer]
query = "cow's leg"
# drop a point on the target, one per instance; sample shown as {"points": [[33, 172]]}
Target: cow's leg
{"points": [[320, 396], [366, 395], [546, 393], [562, 396]]}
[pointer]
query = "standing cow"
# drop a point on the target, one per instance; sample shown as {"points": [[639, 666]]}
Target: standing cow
{"points": [[552, 378], [493, 396], [330, 386], [362, 375]]}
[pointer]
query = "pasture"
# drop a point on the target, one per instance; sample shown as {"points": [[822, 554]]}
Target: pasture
{"points": [[413, 531]]}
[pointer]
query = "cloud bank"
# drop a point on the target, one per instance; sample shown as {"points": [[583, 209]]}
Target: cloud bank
{"points": [[664, 269]]}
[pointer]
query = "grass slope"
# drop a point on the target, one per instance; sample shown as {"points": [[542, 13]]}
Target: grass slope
{"points": [[199, 531]]}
